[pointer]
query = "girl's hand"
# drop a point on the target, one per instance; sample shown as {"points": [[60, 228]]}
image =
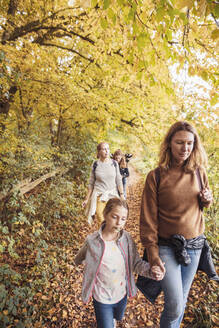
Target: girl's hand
{"points": [[157, 273], [158, 270], [206, 196]]}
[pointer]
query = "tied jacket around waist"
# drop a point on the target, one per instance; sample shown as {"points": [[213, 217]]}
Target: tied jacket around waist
{"points": [[151, 288], [92, 253]]}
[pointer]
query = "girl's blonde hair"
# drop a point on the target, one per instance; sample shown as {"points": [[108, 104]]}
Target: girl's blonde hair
{"points": [[113, 202], [198, 157], [122, 162], [99, 147]]}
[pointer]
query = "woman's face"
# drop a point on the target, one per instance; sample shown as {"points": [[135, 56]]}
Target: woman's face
{"points": [[104, 151], [181, 146], [118, 158]]}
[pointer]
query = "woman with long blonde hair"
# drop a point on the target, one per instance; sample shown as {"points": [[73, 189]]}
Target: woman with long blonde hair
{"points": [[105, 183]]}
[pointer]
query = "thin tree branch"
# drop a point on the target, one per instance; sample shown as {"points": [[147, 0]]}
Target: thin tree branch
{"points": [[70, 50]]}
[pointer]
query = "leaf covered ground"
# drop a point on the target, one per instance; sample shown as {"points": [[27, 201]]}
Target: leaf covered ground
{"points": [[44, 288], [65, 309]]}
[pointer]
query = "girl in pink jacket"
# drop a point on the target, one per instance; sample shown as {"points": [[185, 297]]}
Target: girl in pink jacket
{"points": [[111, 257]]}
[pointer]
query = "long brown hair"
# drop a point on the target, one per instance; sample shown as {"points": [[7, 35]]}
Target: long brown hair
{"points": [[122, 162], [198, 157], [113, 202]]}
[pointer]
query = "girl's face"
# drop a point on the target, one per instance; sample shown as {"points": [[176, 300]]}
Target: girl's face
{"points": [[181, 145], [116, 219], [118, 158], [104, 152]]}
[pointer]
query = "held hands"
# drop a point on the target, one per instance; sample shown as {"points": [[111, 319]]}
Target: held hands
{"points": [[157, 272], [206, 196]]}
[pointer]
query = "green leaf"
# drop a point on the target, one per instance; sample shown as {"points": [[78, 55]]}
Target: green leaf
{"points": [[216, 11], [103, 23], [135, 28], [131, 14], [169, 35], [5, 230], [93, 3], [121, 2], [111, 15], [204, 75], [160, 14], [142, 40], [215, 34], [106, 4], [139, 75], [214, 100]]}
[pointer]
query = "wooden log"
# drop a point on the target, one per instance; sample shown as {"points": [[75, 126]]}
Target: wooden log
{"points": [[26, 186]]}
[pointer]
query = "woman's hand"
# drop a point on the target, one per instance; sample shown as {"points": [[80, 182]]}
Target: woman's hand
{"points": [[206, 196], [158, 271]]}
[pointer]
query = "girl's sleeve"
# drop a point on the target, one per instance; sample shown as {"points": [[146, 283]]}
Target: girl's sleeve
{"points": [[80, 257], [149, 219], [139, 266]]}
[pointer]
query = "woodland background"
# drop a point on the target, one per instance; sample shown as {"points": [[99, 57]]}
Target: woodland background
{"points": [[74, 73]]}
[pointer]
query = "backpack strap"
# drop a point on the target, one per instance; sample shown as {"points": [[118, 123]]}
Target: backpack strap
{"points": [[197, 171], [94, 169], [199, 179], [157, 178], [114, 163]]}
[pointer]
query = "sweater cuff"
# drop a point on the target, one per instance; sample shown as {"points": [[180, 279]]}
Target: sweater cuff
{"points": [[153, 254]]}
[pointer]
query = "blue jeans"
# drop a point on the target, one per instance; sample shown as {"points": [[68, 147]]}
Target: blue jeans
{"points": [[176, 285], [124, 182], [105, 313]]}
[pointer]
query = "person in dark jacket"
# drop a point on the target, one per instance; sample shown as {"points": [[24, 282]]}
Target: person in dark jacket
{"points": [[124, 171]]}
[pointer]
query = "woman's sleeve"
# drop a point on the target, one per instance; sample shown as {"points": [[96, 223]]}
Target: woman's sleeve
{"points": [[118, 176], [91, 179], [149, 218]]}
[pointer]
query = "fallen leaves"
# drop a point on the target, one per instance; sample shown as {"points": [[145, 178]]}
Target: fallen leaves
{"points": [[59, 305]]}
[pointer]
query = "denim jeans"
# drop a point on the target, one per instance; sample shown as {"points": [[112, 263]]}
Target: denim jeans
{"points": [[124, 182], [176, 285], [105, 313]]}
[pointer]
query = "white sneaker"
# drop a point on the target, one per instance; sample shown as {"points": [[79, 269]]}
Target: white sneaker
{"points": [[114, 323]]}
